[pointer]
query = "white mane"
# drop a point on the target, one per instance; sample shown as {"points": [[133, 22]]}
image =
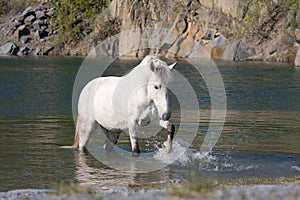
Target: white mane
{"points": [[160, 68]]}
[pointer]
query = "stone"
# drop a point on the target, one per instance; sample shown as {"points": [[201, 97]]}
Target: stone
{"points": [[16, 23], [43, 33], [48, 50], [29, 19], [40, 14], [36, 24], [29, 10], [39, 8], [217, 52], [230, 51], [24, 51], [20, 18], [25, 39], [37, 51], [244, 51], [50, 13], [46, 22], [219, 41], [272, 50], [9, 49], [297, 59], [21, 31]]}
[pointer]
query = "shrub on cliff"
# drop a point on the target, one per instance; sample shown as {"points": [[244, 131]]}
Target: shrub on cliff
{"points": [[260, 17], [74, 19]]}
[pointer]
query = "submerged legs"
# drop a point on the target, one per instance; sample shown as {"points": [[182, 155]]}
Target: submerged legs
{"points": [[133, 129], [111, 140], [171, 129]]}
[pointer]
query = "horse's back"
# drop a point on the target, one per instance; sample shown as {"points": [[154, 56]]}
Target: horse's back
{"points": [[87, 96], [96, 99]]}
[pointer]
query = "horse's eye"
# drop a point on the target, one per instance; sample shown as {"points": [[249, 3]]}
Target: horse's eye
{"points": [[156, 87]]}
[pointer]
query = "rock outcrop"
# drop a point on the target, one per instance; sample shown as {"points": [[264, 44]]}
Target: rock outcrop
{"points": [[30, 32], [217, 29], [9, 49]]}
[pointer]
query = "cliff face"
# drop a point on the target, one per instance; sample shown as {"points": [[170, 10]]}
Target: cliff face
{"points": [[218, 29]]}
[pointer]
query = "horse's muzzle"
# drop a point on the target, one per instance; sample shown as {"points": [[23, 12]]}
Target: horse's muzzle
{"points": [[166, 116]]}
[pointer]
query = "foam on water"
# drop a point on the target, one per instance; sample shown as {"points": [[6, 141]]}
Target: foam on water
{"points": [[191, 158]]}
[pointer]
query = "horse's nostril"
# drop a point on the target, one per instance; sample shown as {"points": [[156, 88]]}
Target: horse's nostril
{"points": [[166, 116]]}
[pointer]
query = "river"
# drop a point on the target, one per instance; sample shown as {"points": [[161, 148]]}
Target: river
{"points": [[260, 137]]}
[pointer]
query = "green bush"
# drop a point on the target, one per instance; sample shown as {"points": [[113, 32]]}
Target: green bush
{"points": [[261, 16], [75, 19]]}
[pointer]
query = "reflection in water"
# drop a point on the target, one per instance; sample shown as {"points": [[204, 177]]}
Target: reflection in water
{"points": [[93, 173], [260, 137]]}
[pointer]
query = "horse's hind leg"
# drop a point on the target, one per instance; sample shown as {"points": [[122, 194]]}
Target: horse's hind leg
{"points": [[171, 129], [111, 140], [133, 130], [86, 127]]}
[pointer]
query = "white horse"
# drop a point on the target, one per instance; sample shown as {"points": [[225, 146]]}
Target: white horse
{"points": [[121, 104]]}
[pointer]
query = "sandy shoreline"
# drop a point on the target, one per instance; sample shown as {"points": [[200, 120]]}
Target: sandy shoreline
{"points": [[288, 191]]}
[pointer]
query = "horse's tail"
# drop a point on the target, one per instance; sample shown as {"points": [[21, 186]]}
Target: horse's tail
{"points": [[76, 139]]}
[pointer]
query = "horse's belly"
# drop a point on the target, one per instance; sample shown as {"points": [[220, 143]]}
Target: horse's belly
{"points": [[104, 112]]}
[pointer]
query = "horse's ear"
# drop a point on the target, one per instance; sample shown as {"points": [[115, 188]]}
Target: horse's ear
{"points": [[172, 66], [152, 67]]}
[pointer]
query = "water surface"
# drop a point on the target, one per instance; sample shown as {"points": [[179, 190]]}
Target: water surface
{"points": [[261, 135]]}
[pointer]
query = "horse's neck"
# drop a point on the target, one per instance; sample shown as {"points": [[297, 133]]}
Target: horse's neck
{"points": [[136, 81], [138, 76]]}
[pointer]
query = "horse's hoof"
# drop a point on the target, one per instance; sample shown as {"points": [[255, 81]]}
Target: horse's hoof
{"points": [[171, 128], [134, 154]]}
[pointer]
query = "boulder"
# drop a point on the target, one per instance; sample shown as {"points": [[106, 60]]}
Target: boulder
{"points": [[20, 18], [9, 49], [24, 51], [28, 11], [238, 50], [48, 50], [40, 14], [218, 52], [43, 33], [36, 24], [21, 31], [50, 13], [16, 24], [219, 41], [26, 39], [29, 19], [230, 51], [244, 51], [297, 59]]}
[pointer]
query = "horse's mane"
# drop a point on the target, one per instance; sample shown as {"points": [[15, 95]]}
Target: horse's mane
{"points": [[162, 71]]}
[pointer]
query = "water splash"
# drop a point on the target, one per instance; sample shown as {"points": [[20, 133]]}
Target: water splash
{"points": [[191, 158]]}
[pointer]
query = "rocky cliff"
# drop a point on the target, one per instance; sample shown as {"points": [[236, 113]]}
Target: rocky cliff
{"points": [[224, 29], [218, 29]]}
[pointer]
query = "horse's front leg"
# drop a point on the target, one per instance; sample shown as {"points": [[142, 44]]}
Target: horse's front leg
{"points": [[133, 131], [171, 129]]}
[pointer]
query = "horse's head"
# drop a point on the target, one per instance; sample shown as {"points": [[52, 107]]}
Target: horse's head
{"points": [[157, 86]]}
